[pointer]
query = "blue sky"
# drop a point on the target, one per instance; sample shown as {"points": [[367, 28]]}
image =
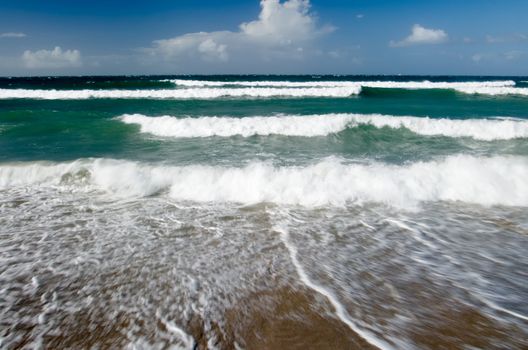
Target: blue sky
{"points": [[474, 37]]}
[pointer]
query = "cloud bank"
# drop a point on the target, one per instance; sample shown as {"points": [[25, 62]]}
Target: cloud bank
{"points": [[52, 59], [420, 36], [283, 30]]}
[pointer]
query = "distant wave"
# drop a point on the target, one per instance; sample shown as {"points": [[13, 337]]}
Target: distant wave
{"points": [[197, 93], [481, 180], [321, 125], [376, 84], [504, 87], [494, 91], [212, 90], [125, 84]]}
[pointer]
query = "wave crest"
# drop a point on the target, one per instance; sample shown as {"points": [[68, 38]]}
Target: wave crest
{"points": [[196, 93], [375, 84], [479, 180], [494, 91], [196, 89], [321, 125]]}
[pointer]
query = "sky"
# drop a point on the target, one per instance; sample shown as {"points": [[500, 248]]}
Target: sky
{"points": [[91, 37]]}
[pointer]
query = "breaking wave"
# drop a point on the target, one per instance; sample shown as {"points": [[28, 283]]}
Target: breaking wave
{"points": [[479, 180], [494, 91], [321, 125], [196, 93], [504, 87], [375, 84], [197, 89]]}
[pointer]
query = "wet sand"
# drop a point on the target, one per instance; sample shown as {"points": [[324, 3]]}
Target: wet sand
{"points": [[279, 319], [289, 319]]}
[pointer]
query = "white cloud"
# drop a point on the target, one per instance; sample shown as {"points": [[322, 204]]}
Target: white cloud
{"points": [[281, 23], [282, 29], [12, 35], [211, 50], [421, 35], [360, 16], [56, 58]]}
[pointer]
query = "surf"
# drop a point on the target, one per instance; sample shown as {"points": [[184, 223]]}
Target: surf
{"points": [[192, 93], [426, 84], [323, 125], [498, 180]]}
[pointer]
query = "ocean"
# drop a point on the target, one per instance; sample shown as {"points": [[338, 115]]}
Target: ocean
{"points": [[264, 212]]}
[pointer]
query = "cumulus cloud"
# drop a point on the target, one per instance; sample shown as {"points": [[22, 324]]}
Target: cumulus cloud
{"points": [[208, 46], [282, 28], [421, 35], [281, 23], [212, 50], [12, 35], [52, 59]]}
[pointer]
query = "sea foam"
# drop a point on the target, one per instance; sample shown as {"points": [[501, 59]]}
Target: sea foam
{"points": [[497, 87], [377, 84], [494, 91], [192, 93], [480, 180], [210, 90], [321, 125]]}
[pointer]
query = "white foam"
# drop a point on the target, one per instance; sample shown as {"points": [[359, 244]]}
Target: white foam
{"points": [[33, 173], [494, 91], [479, 180], [502, 87], [377, 84], [476, 293], [196, 93], [321, 125], [210, 90], [284, 84], [187, 340], [168, 126]]}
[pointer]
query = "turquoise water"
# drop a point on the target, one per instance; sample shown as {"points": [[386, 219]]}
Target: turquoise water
{"points": [[350, 188]]}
